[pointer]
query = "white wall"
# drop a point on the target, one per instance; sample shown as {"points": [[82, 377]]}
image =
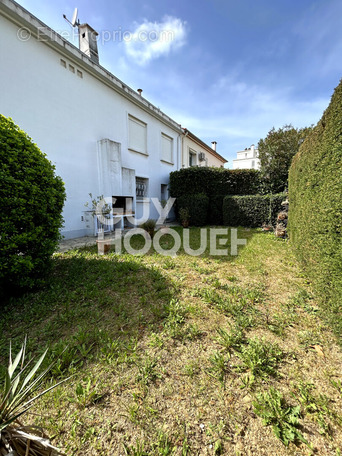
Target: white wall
{"points": [[67, 115], [247, 159], [190, 145]]}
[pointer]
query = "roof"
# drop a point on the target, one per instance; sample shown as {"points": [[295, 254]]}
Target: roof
{"points": [[21, 17], [204, 145]]}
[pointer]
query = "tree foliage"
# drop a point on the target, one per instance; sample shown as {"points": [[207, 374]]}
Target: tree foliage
{"points": [[276, 152], [31, 203]]}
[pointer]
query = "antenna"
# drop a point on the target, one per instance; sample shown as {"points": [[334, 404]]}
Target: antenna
{"points": [[74, 22]]}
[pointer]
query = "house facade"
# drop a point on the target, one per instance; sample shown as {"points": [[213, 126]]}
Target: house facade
{"points": [[103, 137], [247, 159], [195, 152]]}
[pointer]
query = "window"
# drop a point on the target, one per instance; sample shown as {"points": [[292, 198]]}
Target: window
{"points": [[192, 158], [137, 135], [163, 192], [141, 188], [253, 164], [166, 148]]}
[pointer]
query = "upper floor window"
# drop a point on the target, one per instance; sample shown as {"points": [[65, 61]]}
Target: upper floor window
{"points": [[166, 148], [137, 135], [192, 158]]}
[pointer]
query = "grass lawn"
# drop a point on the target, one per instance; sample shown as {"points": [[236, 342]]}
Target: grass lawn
{"points": [[183, 355]]}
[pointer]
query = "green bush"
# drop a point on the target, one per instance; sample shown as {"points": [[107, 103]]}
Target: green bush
{"points": [[197, 205], [31, 203], [252, 210], [214, 181], [315, 213], [215, 215]]}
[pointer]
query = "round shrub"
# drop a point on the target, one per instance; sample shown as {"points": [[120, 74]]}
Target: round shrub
{"points": [[31, 203]]}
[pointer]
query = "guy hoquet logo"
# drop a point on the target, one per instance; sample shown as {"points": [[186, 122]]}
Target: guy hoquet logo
{"points": [[107, 218]]}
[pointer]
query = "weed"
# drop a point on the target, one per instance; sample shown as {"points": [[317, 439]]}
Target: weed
{"points": [[284, 419], [260, 358], [164, 446], [138, 450], [337, 384], [147, 371], [87, 393], [315, 406], [233, 339], [191, 369], [219, 366]]}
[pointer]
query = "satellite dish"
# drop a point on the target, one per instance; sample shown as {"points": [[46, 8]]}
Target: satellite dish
{"points": [[74, 18]]}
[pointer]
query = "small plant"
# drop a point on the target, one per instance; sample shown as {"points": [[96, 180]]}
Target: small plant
{"points": [[284, 419], [219, 367], [260, 358], [100, 209], [231, 340], [147, 371], [16, 398], [184, 216], [86, 393], [149, 226], [316, 406]]}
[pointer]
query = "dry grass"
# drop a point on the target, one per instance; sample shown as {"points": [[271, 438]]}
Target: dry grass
{"points": [[151, 374]]}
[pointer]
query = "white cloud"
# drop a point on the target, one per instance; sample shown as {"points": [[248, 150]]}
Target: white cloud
{"points": [[151, 40]]}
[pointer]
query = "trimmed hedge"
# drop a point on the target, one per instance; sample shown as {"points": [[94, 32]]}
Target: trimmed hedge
{"points": [[197, 206], [315, 213], [214, 181], [252, 210], [31, 203], [215, 214]]}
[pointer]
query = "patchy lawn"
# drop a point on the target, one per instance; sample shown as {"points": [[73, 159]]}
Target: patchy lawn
{"points": [[185, 355]]}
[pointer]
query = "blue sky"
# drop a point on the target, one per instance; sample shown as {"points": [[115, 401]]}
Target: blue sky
{"points": [[227, 70]]}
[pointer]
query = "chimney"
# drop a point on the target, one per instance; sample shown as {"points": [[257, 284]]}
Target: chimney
{"points": [[88, 41], [253, 149], [213, 145], [140, 91]]}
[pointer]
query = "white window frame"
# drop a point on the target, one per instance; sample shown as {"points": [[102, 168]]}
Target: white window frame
{"points": [[192, 153], [166, 137], [133, 147]]}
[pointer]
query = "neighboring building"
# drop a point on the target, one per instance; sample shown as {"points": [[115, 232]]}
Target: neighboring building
{"points": [[103, 137], [196, 153], [247, 159]]}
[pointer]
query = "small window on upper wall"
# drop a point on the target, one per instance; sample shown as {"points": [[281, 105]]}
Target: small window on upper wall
{"points": [[141, 188], [192, 158], [166, 148], [137, 135]]}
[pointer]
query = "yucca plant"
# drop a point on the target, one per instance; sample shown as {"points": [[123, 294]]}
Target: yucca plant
{"points": [[18, 392]]}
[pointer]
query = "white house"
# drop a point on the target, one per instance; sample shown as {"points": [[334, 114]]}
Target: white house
{"points": [[195, 152], [247, 159], [103, 137]]}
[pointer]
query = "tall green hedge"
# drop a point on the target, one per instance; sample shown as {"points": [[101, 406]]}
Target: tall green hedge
{"points": [[31, 203], [315, 213], [251, 210], [214, 181], [197, 206]]}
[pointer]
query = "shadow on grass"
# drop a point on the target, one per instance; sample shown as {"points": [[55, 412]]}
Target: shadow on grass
{"points": [[89, 302]]}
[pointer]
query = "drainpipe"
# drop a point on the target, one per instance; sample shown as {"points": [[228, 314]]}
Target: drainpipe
{"points": [[184, 135]]}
